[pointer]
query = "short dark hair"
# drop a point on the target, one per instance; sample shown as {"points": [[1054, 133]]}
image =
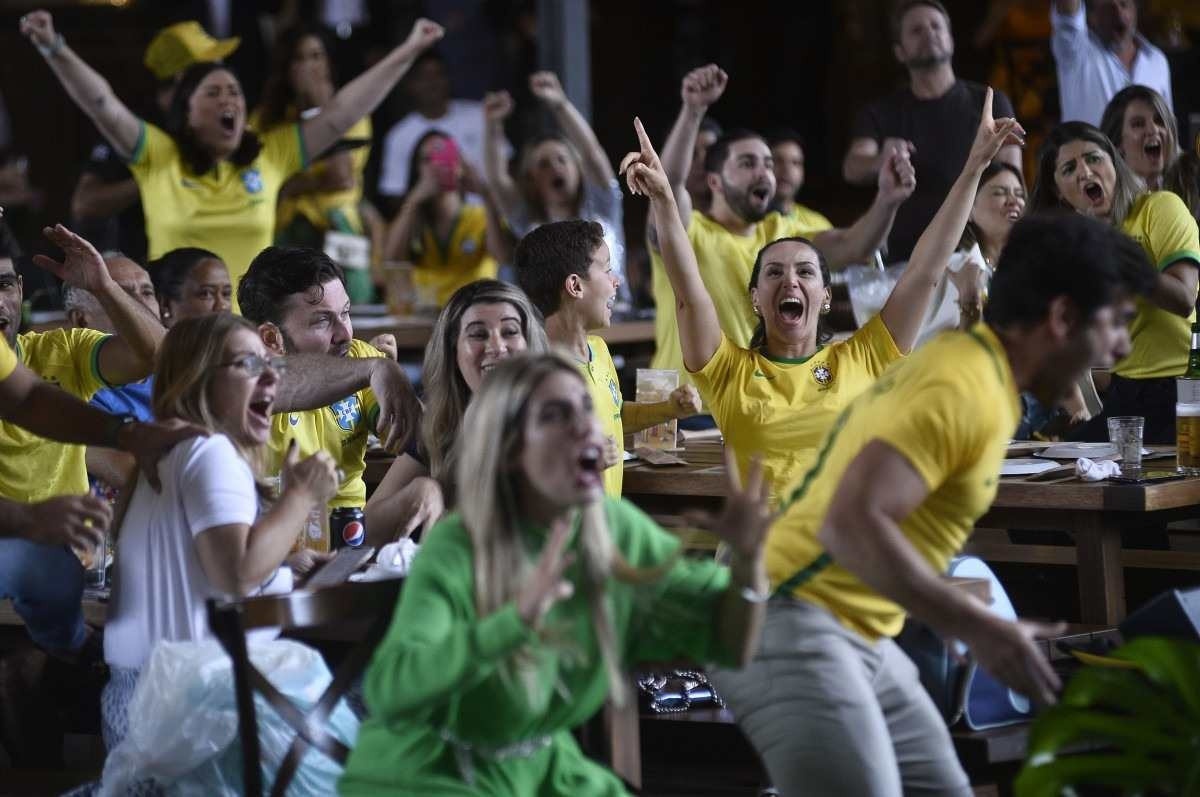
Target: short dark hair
{"points": [[718, 153], [902, 7], [190, 151], [276, 273], [549, 254], [170, 271], [783, 135], [1061, 253], [9, 248]]}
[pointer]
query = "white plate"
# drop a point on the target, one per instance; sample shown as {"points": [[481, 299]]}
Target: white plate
{"points": [[1077, 450], [1025, 466]]}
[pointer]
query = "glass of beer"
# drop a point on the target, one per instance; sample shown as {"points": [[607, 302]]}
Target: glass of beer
{"points": [[1187, 438]]}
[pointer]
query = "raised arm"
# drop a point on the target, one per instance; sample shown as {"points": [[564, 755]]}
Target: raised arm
{"points": [[406, 226], [699, 90], [862, 532], [596, 168], [908, 304], [699, 327], [498, 106], [361, 96], [85, 86], [129, 355], [498, 240], [859, 242]]}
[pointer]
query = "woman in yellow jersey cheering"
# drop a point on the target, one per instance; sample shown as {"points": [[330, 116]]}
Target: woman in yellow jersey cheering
{"points": [[1079, 168], [208, 181], [780, 396]]}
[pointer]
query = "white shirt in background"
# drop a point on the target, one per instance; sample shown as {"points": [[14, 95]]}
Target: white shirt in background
{"points": [[1089, 73], [463, 122]]}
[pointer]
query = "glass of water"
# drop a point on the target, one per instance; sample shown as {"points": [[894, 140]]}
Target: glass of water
{"points": [[1125, 432]]}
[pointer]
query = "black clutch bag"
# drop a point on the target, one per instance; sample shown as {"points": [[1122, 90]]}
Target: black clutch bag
{"points": [[671, 691]]}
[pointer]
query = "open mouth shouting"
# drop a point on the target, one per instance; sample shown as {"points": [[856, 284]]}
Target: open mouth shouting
{"points": [[260, 412], [1153, 149], [590, 463], [229, 121], [1094, 193], [791, 309], [761, 194]]}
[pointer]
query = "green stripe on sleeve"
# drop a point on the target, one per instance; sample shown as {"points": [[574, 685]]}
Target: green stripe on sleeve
{"points": [[806, 574], [304, 162], [139, 149], [1175, 257], [96, 361]]}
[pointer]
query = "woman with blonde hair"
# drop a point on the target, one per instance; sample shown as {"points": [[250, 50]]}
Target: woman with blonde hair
{"points": [[1080, 168], [1141, 126], [483, 323], [202, 535], [525, 610]]}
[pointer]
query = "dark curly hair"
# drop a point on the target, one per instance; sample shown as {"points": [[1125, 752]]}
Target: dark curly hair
{"points": [[196, 157]]}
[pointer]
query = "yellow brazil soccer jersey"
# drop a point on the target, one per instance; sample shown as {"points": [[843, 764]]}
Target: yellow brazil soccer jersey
{"points": [[442, 267], [339, 429], [332, 210], [230, 210], [601, 376], [33, 468], [781, 409], [726, 261], [1161, 223], [950, 410], [8, 359]]}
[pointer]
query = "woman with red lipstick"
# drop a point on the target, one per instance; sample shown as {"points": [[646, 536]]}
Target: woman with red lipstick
{"points": [[526, 609], [781, 395], [202, 535], [1080, 168], [1139, 122], [207, 180]]}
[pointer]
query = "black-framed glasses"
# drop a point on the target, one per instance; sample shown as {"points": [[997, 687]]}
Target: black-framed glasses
{"points": [[252, 365]]}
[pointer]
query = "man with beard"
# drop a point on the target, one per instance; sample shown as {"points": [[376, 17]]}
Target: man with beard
{"points": [[738, 221], [787, 150], [1098, 52], [298, 299], [933, 119]]}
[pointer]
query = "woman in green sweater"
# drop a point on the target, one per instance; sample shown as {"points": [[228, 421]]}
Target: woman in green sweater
{"points": [[525, 610]]}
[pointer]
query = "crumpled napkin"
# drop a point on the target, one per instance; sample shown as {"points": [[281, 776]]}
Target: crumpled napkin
{"points": [[393, 561], [1091, 471]]}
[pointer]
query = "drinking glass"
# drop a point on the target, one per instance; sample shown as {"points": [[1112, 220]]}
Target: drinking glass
{"points": [[1125, 432]]}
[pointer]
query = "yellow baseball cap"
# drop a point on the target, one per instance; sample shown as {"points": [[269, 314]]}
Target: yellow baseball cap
{"points": [[177, 47]]}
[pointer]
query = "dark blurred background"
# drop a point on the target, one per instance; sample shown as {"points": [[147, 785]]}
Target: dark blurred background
{"points": [[808, 65]]}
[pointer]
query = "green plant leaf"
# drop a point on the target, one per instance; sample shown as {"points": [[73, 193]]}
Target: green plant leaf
{"points": [[1064, 725], [1130, 773], [1170, 663], [1128, 691]]}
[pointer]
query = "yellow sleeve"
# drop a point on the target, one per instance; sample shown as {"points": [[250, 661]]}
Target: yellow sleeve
{"points": [[1171, 232], [929, 428], [872, 348], [85, 345], [283, 146], [720, 380], [154, 147], [8, 359]]}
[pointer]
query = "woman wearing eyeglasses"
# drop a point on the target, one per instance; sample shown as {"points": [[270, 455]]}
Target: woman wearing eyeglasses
{"points": [[202, 535]]}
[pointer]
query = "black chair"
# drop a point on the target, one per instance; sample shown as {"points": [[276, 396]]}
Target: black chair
{"points": [[355, 613]]}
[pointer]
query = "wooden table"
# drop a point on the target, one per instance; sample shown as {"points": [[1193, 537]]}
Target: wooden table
{"points": [[1095, 514], [412, 333]]}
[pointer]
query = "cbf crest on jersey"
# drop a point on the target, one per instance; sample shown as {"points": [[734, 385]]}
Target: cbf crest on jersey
{"points": [[346, 412], [615, 390], [252, 180]]}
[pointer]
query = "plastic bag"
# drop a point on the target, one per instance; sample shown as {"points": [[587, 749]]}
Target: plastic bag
{"points": [[183, 721]]}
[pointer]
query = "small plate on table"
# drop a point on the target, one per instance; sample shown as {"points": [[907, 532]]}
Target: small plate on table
{"points": [[1077, 450], [1026, 466]]}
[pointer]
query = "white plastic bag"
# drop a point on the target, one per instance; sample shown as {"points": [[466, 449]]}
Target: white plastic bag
{"points": [[183, 722]]}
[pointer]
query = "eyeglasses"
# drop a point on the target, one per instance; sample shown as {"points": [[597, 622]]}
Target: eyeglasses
{"points": [[252, 365]]}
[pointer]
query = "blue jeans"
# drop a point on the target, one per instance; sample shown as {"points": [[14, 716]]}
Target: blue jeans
{"points": [[45, 583]]}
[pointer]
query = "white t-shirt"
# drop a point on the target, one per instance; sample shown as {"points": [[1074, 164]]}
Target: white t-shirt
{"points": [[160, 587], [463, 122], [1089, 73]]}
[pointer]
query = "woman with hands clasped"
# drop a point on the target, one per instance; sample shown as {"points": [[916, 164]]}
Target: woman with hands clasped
{"points": [[782, 394], [207, 180], [525, 610], [560, 176]]}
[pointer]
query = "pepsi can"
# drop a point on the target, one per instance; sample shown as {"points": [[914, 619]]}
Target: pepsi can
{"points": [[348, 527]]}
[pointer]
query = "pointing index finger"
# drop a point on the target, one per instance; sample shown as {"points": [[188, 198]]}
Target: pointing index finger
{"points": [[643, 139], [987, 103]]}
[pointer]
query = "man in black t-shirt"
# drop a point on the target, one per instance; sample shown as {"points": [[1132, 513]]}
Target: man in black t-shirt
{"points": [[934, 118]]}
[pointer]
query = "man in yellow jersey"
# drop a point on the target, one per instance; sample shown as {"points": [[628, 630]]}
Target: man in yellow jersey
{"points": [[831, 703], [80, 361], [565, 269], [298, 299], [738, 223], [38, 572], [787, 153]]}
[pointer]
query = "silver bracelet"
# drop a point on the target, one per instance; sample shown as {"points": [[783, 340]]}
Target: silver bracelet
{"points": [[53, 48], [750, 595]]}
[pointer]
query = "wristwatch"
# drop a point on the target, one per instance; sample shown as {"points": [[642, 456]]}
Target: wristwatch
{"points": [[115, 424]]}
